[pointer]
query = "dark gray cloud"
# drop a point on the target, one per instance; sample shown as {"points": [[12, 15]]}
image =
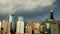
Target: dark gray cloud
{"points": [[11, 6], [26, 8]]}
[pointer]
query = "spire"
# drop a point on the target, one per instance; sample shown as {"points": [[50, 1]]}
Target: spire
{"points": [[51, 14]]}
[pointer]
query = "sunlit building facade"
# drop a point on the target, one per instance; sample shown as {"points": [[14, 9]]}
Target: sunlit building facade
{"points": [[36, 28], [20, 25], [6, 25]]}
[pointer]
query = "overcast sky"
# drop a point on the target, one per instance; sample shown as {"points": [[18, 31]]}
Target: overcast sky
{"points": [[28, 8]]}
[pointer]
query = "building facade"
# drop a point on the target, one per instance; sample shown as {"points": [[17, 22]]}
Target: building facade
{"points": [[54, 29], [0, 25], [20, 25], [36, 28], [6, 25], [28, 28], [12, 19], [58, 23]]}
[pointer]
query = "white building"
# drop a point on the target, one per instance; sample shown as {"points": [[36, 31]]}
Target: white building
{"points": [[47, 25], [20, 26], [0, 25]]}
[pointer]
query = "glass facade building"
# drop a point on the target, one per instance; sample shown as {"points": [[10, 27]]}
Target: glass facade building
{"points": [[12, 19]]}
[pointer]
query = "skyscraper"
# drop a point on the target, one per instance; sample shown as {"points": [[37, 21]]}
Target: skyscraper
{"points": [[20, 25], [12, 20]]}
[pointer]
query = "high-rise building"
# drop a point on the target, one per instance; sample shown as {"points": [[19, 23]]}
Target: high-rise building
{"points": [[20, 25], [28, 28], [36, 28], [6, 25], [12, 19]]}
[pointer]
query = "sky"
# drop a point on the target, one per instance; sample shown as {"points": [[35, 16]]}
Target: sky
{"points": [[29, 9]]}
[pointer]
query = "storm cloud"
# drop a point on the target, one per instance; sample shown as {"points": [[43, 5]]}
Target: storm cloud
{"points": [[12, 6], [25, 7]]}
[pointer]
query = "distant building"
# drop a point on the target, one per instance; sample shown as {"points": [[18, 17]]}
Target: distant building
{"points": [[12, 19], [6, 25], [58, 23], [28, 28], [42, 26], [50, 22], [20, 25], [54, 29], [36, 28], [0, 25]]}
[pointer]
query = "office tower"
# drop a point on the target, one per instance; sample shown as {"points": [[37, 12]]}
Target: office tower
{"points": [[28, 28], [36, 28], [20, 25], [6, 27], [12, 19]]}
